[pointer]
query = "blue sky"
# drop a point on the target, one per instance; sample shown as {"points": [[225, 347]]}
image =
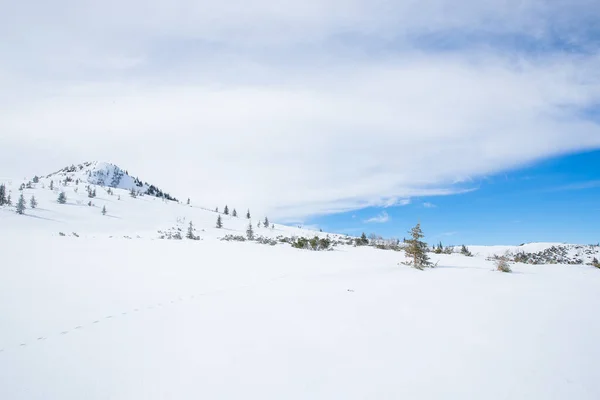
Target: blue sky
{"points": [[555, 200]]}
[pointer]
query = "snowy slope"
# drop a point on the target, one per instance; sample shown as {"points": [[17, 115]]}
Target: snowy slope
{"points": [[141, 216], [97, 315], [155, 319]]}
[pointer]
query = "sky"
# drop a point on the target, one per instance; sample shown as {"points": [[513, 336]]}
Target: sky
{"points": [[319, 112]]}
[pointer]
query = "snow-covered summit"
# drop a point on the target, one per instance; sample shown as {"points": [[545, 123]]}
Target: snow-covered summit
{"points": [[106, 174]]}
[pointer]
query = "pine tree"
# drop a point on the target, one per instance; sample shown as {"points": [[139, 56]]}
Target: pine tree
{"points": [[188, 201], [465, 251], [21, 205], [33, 202], [250, 232], [132, 193], [22, 187], [36, 179], [226, 210], [595, 263], [104, 210], [90, 194], [9, 200], [219, 222], [258, 225], [248, 214], [266, 224], [190, 232], [416, 249], [217, 209], [2, 195], [51, 185], [62, 198], [94, 193], [234, 213]]}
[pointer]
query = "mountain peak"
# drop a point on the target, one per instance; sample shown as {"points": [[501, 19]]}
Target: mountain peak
{"points": [[107, 174]]}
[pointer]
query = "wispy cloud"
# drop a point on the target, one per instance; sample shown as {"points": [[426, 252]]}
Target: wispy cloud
{"points": [[429, 205], [379, 219]]}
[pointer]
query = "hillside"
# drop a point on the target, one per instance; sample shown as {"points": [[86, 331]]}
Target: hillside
{"points": [[143, 215], [111, 311]]}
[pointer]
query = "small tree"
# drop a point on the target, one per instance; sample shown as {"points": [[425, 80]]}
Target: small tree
{"points": [[190, 232], [266, 224], [132, 193], [234, 213], [219, 222], [258, 225], [464, 250], [21, 205], [51, 185], [36, 179], [595, 263], [33, 202], [362, 241], [416, 250], [62, 198], [9, 200], [226, 210], [217, 209], [104, 210], [248, 214], [188, 201], [250, 232], [2, 195]]}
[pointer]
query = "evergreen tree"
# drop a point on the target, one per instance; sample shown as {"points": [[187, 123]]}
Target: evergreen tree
{"points": [[595, 263], [217, 209], [90, 194], [9, 200], [51, 185], [362, 241], [104, 210], [188, 201], [248, 214], [33, 202], [2, 195], [250, 232], [219, 222], [266, 224], [36, 179], [226, 210], [190, 231], [416, 249], [234, 213], [258, 225], [132, 193], [465, 251], [62, 198], [21, 205], [94, 193]]}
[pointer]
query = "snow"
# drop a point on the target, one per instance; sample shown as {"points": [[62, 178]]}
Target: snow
{"points": [[101, 316]]}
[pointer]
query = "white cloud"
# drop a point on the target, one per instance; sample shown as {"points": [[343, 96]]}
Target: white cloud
{"points": [[429, 205], [297, 110], [379, 219]]}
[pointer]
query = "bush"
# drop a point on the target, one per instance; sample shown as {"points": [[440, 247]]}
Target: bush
{"points": [[502, 265], [595, 263], [315, 243], [235, 238]]}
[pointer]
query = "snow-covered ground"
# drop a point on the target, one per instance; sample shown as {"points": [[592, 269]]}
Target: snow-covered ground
{"points": [[101, 316]]}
